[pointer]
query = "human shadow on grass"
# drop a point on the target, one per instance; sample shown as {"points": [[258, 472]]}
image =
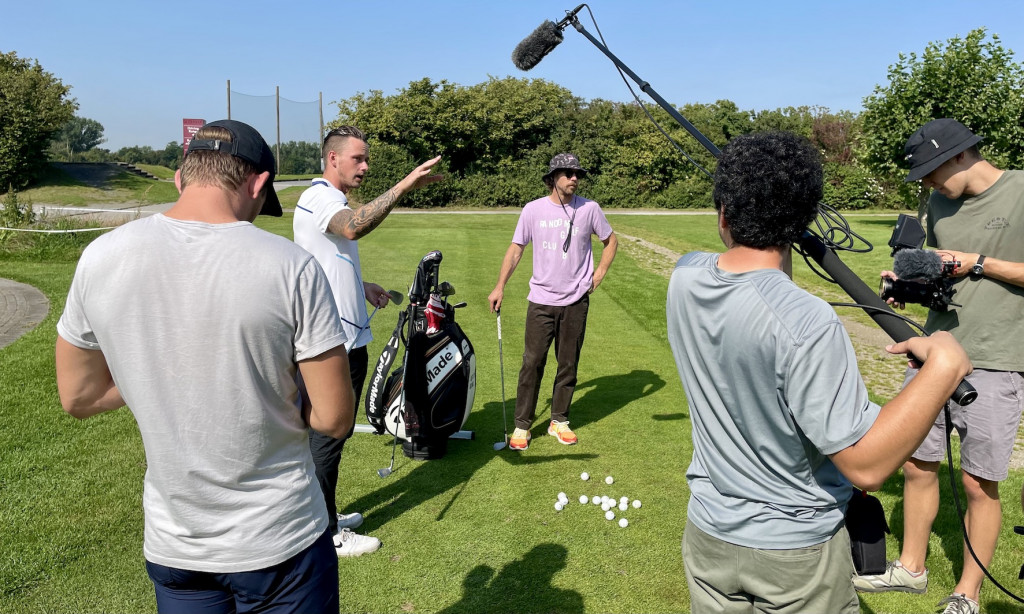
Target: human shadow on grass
{"points": [[415, 481], [601, 396], [524, 585]]}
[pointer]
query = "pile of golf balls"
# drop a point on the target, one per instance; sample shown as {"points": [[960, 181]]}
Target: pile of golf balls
{"points": [[608, 505]]}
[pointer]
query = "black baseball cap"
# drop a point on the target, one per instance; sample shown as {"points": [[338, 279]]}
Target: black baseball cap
{"points": [[934, 143], [247, 144]]}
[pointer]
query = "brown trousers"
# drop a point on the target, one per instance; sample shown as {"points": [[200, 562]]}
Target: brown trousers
{"points": [[565, 326]]}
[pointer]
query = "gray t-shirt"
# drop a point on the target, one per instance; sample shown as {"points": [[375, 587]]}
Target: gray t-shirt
{"points": [[773, 388], [991, 223], [202, 326]]}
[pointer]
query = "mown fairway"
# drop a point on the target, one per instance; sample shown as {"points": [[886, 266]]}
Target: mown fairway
{"points": [[475, 531]]}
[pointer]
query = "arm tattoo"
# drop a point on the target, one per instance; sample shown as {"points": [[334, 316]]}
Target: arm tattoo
{"points": [[359, 222]]}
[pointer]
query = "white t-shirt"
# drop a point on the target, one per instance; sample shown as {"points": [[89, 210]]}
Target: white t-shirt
{"points": [[202, 326], [338, 256]]}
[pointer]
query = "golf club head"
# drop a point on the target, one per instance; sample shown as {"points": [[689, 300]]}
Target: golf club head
{"points": [[499, 446], [446, 289], [396, 296], [383, 473]]}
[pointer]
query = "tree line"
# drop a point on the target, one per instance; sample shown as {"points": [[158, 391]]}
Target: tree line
{"points": [[496, 137]]}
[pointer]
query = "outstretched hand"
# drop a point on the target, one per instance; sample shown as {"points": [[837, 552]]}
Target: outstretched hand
{"points": [[421, 176]]}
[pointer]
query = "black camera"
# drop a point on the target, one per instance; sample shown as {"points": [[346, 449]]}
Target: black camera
{"points": [[924, 278], [935, 294]]}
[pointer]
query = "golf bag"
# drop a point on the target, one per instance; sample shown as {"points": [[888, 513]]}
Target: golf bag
{"points": [[430, 395]]}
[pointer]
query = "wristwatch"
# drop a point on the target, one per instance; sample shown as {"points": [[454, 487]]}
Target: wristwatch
{"points": [[978, 270]]}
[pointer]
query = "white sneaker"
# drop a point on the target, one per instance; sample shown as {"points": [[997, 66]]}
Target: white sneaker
{"points": [[347, 543], [349, 521]]}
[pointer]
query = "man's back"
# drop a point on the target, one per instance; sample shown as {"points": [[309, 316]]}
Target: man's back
{"points": [[202, 325], [773, 389]]}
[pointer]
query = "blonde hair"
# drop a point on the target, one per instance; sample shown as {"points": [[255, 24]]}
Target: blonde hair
{"points": [[214, 168]]}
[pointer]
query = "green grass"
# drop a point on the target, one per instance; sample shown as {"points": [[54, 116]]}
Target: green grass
{"points": [[58, 188], [473, 532], [160, 172]]}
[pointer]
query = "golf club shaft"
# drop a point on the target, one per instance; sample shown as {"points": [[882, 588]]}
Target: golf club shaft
{"points": [[501, 363]]}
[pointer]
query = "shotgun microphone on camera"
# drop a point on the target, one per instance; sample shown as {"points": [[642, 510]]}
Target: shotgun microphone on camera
{"points": [[541, 41], [918, 264]]}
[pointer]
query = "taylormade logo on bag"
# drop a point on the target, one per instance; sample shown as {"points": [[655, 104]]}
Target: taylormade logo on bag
{"points": [[443, 363]]}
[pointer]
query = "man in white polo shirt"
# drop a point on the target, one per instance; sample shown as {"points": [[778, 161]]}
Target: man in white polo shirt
{"points": [[328, 228]]}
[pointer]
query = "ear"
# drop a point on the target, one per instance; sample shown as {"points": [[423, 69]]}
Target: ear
{"points": [[177, 180], [256, 183]]}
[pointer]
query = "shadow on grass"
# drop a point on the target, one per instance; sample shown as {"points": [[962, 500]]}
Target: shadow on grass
{"points": [[527, 580], [414, 482], [604, 395]]}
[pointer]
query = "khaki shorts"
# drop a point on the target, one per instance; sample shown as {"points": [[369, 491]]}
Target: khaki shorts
{"points": [[987, 427], [731, 579]]}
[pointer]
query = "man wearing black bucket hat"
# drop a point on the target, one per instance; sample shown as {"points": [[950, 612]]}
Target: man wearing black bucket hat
{"points": [[200, 323], [975, 215], [559, 225]]}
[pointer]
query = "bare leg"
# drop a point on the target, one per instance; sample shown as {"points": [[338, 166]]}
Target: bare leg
{"points": [[920, 506], [983, 519]]}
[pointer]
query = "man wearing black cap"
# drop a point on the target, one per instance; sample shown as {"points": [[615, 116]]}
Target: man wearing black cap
{"points": [[975, 216], [200, 323], [559, 225]]}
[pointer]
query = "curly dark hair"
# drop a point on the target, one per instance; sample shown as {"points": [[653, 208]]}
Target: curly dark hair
{"points": [[768, 186]]}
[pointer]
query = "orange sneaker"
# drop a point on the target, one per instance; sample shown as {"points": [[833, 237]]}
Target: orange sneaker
{"points": [[520, 439], [562, 432]]}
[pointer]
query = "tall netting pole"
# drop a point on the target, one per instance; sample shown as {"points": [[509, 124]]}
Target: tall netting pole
{"points": [[277, 100], [229, 98], [321, 129]]}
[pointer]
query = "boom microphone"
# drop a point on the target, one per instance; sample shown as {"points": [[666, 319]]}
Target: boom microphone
{"points": [[917, 264], [534, 47], [546, 37]]}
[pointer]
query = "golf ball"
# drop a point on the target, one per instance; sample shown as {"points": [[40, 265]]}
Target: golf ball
{"points": [[623, 507], [623, 523], [636, 503], [605, 507], [559, 506], [609, 480], [596, 500], [562, 496], [584, 476], [583, 499], [610, 515], [623, 499]]}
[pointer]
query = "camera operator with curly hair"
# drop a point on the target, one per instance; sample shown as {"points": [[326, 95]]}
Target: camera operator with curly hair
{"points": [[977, 208], [782, 423]]}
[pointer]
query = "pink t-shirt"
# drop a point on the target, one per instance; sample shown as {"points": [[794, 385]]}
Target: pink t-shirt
{"points": [[560, 277]]}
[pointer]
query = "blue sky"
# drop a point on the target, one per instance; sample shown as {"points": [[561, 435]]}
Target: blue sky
{"points": [[140, 67]]}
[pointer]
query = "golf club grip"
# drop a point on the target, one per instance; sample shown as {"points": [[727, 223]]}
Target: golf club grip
{"points": [[499, 325]]}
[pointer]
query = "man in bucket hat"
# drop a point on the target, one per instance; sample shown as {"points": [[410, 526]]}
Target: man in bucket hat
{"points": [[559, 225], [200, 322], [975, 215]]}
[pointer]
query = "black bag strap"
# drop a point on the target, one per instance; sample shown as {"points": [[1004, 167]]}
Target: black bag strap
{"points": [[375, 401]]}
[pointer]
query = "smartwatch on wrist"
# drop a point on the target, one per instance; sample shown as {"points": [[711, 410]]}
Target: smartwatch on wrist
{"points": [[978, 270]]}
